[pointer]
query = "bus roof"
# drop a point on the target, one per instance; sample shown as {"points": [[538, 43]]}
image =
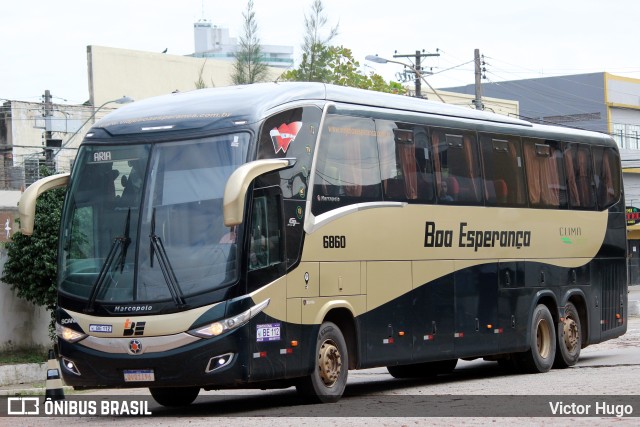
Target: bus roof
{"points": [[228, 106], [251, 103]]}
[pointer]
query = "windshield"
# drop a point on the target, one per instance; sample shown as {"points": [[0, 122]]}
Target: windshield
{"points": [[144, 222]]}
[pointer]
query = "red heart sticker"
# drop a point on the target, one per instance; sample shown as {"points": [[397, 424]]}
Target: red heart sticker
{"points": [[284, 135]]}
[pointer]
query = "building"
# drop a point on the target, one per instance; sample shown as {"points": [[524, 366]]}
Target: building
{"points": [[33, 134], [599, 102], [212, 41]]}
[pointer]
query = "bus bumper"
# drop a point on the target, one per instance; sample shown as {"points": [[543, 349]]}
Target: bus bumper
{"points": [[205, 362]]}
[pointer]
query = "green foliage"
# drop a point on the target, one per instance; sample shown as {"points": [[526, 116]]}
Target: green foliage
{"points": [[23, 355], [249, 66], [337, 66], [31, 266]]}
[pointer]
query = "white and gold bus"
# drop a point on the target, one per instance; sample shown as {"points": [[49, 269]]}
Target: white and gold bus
{"points": [[282, 234]]}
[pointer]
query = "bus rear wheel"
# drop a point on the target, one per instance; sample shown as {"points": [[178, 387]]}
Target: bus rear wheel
{"points": [[328, 380], [542, 353], [174, 396], [569, 338]]}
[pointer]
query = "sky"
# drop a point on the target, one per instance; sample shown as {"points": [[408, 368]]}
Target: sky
{"points": [[44, 42]]}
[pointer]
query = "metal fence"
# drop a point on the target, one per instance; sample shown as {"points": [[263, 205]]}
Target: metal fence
{"points": [[18, 172]]}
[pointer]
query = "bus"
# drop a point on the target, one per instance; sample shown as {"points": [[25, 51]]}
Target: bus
{"points": [[282, 234]]}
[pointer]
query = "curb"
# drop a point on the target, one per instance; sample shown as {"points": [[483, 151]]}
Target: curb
{"points": [[30, 391], [23, 373]]}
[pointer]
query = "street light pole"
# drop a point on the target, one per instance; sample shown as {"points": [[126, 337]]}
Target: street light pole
{"points": [[124, 100], [379, 60]]}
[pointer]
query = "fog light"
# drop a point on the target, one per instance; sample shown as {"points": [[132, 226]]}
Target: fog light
{"points": [[70, 366], [218, 362]]}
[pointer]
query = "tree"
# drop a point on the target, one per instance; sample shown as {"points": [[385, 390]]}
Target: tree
{"points": [[200, 84], [249, 66], [340, 68], [322, 62], [31, 265], [314, 46]]}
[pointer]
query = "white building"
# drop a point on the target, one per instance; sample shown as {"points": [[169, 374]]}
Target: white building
{"points": [[212, 41]]}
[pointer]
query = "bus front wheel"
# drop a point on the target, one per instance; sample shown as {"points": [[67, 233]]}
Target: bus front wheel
{"points": [[542, 350], [174, 396], [569, 338], [328, 380]]}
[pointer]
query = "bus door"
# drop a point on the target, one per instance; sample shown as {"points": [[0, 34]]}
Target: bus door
{"points": [[389, 307], [476, 309], [265, 266]]}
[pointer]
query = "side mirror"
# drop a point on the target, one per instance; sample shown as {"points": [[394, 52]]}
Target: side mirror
{"points": [[27, 203], [235, 191]]}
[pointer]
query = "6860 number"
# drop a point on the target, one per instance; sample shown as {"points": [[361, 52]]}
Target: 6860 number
{"points": [[334, 242]]}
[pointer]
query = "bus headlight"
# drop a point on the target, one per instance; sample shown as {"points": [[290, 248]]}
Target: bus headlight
{"points": [[221, 326], [68, 334]]}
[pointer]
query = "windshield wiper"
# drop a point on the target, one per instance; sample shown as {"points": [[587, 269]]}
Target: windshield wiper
{"points": [[126, 240], [118, 247], [167, 271]]}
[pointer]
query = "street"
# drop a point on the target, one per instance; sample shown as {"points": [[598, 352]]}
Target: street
{"points": [[476, 393]]}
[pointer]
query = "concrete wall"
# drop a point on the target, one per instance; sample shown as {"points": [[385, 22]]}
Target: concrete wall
{"points": [[114, 73], [22, 324]]}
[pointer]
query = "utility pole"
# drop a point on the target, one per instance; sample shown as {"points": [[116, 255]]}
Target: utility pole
{"points": [[478, 100], [48, 134], [418, 58]]}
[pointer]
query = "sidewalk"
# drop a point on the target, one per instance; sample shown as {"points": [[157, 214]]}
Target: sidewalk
{"points": [[30, 379]]}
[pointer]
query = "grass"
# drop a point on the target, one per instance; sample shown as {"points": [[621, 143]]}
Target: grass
{"points": [[30, 355]]}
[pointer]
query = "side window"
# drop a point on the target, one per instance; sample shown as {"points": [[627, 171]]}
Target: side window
{"points": [[580, 187], [503, 170], [347, 168], [265, 242], [545, 173], [607, 176], [291, 133], [457, 171], [405, 163]]}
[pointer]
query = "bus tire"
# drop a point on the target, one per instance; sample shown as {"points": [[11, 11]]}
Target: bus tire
{"points": [[328, 380], [539, 358], [569, 335], [174, 396]]}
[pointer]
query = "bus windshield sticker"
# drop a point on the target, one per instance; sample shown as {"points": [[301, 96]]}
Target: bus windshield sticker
{"points": [[268, 332], [284, 135]]}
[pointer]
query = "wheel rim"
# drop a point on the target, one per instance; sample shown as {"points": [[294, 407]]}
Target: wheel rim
{"points": [[543, 338], [329, 363], [570, 334]]}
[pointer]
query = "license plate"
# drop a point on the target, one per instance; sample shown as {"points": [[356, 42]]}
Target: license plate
{"points": [[139, 375], [268, 332]]}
